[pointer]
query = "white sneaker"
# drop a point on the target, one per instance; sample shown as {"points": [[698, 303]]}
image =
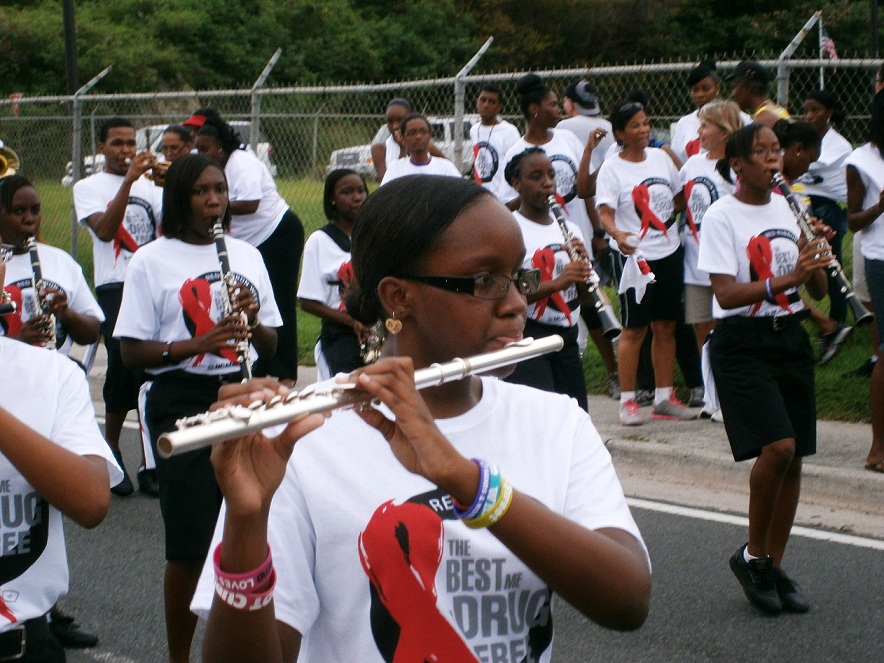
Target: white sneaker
{"points": [[672, 409], [629, 415], [717, 417]]}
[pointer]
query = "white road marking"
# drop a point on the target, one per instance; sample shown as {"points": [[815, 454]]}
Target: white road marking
{"points": [[700, 514]]}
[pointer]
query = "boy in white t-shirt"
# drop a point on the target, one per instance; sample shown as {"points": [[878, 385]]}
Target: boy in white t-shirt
{"points": [[122, 211], [491, 138]]}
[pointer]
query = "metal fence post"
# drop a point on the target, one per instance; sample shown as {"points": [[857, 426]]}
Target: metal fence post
{"points": [[256, 100], [77, 149], [459, 93], [782, 67]]}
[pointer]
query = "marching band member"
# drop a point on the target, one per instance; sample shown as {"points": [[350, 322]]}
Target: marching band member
{"points": [[122, 211], [492, 137], [172, 324], [53, 462], [69, 300], [377, 516], [760, 353], [418, 159], [327, 275]]}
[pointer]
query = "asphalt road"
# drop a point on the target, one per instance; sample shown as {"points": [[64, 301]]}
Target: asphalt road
{"points": [[698, 610]]}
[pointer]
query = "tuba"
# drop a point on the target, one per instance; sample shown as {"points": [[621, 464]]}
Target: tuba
{"points": [[10, 164]]}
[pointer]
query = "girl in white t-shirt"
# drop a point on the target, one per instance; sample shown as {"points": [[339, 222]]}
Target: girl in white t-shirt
{"points": [[77, 315], [555, 307], [261, 217], [369, 557], [865, 208], [705, 86], [703, 185], [638, 193], [327, 274], [172, 323], [419, 160], [761, 358]]}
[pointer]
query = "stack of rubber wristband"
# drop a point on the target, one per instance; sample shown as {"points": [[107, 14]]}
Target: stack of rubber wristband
{"points": [[492, 500], [245, 591]]}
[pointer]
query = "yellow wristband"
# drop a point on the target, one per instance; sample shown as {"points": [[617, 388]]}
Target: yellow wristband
{"points": [[498, 509]]}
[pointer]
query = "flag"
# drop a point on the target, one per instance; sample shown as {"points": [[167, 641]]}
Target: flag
{"points": [[827, 45]]}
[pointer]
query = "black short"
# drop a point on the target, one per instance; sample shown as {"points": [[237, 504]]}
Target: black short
{"points": [[765, 383], [121, 384], [189, 495], [663, 297]]}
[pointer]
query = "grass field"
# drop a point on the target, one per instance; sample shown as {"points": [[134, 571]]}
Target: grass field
{"points": [[837, 398]]}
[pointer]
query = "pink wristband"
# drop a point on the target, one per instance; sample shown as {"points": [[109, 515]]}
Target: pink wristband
{"points": [[245, 591]]}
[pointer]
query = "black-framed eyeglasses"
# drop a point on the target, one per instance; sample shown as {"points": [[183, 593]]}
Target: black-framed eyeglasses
{"points": [[6, 252], [484, 286]]}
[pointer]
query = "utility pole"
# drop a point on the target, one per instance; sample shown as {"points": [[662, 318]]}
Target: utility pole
{"points": [[70, 46]]}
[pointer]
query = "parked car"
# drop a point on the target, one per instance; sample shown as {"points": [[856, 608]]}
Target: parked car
{"points": [[151, 137], [358, 157]]}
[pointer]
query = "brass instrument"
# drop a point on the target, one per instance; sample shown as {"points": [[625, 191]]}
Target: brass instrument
{"points": [[10, 164], [229, 284], [41, 302], [611, 328], [157, 172], [234, 421], [861, 314]]}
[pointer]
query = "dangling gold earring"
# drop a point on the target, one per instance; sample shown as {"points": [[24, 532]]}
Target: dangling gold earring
{"points": [[393, 325]]}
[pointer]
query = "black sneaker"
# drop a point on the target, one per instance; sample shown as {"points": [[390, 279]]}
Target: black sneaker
{"points": [[147, 482], [758, 580], [790, 594], [125, 487], [862, 371], [68, 633], [830, 343]]}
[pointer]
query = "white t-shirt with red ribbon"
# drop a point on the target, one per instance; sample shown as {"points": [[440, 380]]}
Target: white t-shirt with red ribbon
{"points": [[703, 185], [60, 272], [547, 252], [751, 243], [641, 195], [373, 566], [141, 223], [174, 292]]}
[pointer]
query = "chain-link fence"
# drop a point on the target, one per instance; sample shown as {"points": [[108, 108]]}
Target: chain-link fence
{"points": [[303, 126]]}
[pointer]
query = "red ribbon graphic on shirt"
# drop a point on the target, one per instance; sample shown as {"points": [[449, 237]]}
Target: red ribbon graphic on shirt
{"points": [[195, 297], [400, 550], [123, 240], [12, 321], [641, 196], [345, 278], [476, 175], [545, 260], [761, 260], [688, 213], [692, 147]]}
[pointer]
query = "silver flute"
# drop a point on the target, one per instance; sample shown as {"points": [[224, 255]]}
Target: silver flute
{"points": [[229, 283], [234, 421], [611, 328], [41, 302], [861, 314]]}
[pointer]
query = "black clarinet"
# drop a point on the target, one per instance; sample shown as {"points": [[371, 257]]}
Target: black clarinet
{"points": [[229, 283], [861, 314], [41, 303], [611, 328]]}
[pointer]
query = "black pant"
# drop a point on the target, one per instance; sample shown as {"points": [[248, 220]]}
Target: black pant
{"points": [[35, 641], [282, 257], [830, 212]]}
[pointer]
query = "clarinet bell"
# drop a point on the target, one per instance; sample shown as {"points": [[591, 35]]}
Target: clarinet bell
{"points": [[861, 315]]}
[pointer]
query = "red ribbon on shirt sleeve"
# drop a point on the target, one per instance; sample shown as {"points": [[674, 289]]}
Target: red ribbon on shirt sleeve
{"points": [[761, 260], [545, 260], [688, 213], [641, 196], [345, 278]]}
